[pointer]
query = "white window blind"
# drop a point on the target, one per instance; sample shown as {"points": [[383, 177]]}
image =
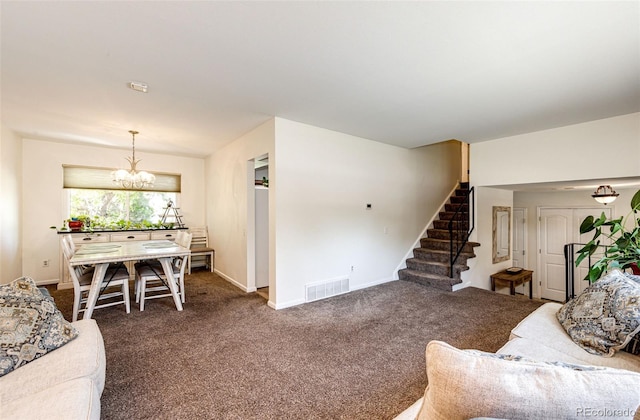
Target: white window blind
{"points": [[86, 177]]}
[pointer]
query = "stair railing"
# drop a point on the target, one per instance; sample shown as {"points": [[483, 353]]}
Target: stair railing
{"points": [[570, 251], [461, 225]]}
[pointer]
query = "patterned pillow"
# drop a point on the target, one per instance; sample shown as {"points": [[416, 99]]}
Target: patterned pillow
{"points": [[30, 325], [634, 345], [605, 316]]}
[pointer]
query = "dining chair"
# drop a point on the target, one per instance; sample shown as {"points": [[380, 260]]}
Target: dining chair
{"points": [[151, 281], [200, 248], [116, 277]]}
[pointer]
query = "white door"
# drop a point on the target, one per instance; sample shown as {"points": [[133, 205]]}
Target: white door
{"points": [[520, 241], [558, 227]]}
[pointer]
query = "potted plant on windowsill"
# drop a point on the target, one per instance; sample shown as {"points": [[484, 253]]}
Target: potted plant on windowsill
{"points": [[624, 233]]}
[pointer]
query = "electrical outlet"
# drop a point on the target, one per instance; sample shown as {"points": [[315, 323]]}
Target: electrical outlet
{"points": [[352, 268], [45, 263]]}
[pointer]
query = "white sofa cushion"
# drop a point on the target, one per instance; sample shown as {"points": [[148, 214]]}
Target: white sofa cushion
{"points": [[83, 357], [546, 340], [76, 399], [466, 384], [532, 349]]}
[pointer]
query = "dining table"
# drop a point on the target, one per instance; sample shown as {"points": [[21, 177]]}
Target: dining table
{"points": [[100, 255]]}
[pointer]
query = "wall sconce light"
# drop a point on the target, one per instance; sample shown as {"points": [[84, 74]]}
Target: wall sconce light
{"points": [[605, 194]]}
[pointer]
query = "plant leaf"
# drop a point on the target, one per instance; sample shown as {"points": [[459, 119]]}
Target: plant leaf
{"points": [[635, 201], [587, 225]]}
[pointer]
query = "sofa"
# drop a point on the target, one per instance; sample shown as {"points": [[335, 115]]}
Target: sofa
{"points": [[49, 368], [540, 372], [64, 384]]}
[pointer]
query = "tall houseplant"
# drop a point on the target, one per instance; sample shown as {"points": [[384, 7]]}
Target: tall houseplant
{"points": [[624, 234]]}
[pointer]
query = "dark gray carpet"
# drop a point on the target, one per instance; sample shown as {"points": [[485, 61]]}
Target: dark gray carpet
{"points": [[229, 356]]}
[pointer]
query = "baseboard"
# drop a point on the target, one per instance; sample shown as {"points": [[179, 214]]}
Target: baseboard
{"points": [[373, 283], [48, 282], [286, 304], [297, 302], [234, 282], [460, 286]]}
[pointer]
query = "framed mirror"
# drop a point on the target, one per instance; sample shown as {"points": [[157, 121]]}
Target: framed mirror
{"points": [[501, 233]]}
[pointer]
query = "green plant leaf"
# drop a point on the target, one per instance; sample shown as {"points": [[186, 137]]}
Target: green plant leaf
{"points": [[617, 227], [635, 201], [587, 225], [594, 274]]}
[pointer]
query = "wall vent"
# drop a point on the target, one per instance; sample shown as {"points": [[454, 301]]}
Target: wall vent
{"points": [[326, 288]]}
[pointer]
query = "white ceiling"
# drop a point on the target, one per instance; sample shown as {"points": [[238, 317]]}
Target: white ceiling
{"points": [[403, 73]]}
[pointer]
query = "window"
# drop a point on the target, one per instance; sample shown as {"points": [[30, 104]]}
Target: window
{"points": [[93, 195], [119, 209]]}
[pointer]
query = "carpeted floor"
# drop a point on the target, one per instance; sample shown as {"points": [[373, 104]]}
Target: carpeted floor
{"points": [[229, 356]]}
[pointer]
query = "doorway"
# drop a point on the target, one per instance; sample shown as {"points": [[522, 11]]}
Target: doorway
{"points": [[261, 220], [520, 241], [464, 162], [556, 228]]}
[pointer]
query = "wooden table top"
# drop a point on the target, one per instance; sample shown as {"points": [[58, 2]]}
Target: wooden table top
{"points": [[503, 275]]}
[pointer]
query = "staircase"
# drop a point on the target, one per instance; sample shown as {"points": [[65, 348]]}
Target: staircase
{"points": [[430, 265]]}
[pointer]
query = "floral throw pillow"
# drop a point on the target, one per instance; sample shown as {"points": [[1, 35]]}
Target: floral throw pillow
{"points": [[605, 316], [30, 325]]}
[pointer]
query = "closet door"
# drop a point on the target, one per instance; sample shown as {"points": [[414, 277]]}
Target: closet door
{"points": [[556, 228]]}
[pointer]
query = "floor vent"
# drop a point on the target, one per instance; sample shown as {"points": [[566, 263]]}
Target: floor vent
{"points": [[327, 288]]}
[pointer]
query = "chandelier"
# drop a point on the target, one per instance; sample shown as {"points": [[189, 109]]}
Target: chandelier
{"points": [[133, 179], [605, 194]]}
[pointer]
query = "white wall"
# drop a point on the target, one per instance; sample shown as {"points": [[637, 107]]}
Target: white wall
{"points": [[319, 184], [325, 179], [229, 177], [607, 148], [10, 217], [437, 170], [44, 199], [482, 266]]}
